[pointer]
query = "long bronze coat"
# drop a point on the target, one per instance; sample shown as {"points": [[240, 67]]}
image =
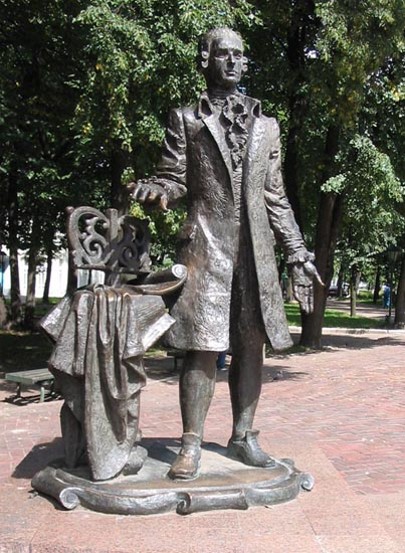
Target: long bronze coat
{"points": [[196, 162]]}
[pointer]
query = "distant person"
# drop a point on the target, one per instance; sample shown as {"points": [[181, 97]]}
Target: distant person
{"points": [[221, 360]]}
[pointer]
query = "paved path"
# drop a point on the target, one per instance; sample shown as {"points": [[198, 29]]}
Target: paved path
{"points": [[376, 311], [340, 413]]}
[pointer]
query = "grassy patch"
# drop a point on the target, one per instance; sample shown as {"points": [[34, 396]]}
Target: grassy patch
{"points": [[42, 309], [334, 319], [22, 351]]}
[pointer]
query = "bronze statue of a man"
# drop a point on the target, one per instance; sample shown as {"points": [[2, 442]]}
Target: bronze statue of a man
{"points": [[224, 155]]}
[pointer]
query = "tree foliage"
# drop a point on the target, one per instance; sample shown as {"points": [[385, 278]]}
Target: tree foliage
{"points": [[84, 91], [86, 86], [314, 63], [372, 187], [140, 62]]}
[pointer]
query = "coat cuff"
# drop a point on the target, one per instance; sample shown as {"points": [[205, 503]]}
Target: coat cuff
{"points": [[302, 256], [173, 190]]}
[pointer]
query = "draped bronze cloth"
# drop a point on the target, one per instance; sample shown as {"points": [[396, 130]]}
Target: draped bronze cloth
{"points": [[100, 335]]}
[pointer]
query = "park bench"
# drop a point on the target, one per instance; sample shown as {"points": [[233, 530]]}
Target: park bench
{"points": [[176, 354], [33, 377]]}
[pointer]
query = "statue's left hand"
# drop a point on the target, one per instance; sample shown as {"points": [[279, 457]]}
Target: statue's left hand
{"points": [[303, 275], [148, 191]]}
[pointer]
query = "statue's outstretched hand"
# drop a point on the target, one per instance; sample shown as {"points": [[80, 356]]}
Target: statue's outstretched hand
{"points": [[303, 275], [148, 191]]}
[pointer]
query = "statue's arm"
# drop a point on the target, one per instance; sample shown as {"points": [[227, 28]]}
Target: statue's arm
{"points": [[169, 184], [281, 215], [286, 230]]}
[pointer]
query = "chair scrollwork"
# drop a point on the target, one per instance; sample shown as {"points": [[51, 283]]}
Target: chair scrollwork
{"points": [[108, 242]]}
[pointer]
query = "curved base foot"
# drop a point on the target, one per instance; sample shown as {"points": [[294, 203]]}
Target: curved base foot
{"points": [[222, 484]]}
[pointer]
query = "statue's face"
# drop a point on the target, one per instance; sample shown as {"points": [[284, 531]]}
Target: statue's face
{"points": [[225, 62]]}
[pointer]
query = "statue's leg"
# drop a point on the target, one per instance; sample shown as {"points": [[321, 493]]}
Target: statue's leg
{"points": [[72, 418], [73, 438], [138, 454], [247, 336], [197, 384], [245, 382]]}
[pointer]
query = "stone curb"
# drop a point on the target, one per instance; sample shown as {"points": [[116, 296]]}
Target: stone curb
{"points": [[327, 330]]}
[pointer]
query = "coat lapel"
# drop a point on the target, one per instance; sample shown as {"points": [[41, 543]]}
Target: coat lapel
{"points": [[213, 125], [256, 148], [257, 133]]}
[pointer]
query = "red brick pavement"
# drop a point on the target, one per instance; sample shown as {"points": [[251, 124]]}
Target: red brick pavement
{"points": [[340, 413]]}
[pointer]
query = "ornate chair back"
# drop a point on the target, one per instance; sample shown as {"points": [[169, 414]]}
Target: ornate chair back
{"points": [[108, 242]]}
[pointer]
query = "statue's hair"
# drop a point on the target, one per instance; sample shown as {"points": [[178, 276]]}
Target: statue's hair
{"points": [[205, 43]]}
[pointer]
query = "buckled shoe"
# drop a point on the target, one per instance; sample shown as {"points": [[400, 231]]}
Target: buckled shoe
{"points": [[187, 463], [248, 451]]}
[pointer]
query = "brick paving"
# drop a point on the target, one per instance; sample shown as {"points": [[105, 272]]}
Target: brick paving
{"points": [[340, 413]]}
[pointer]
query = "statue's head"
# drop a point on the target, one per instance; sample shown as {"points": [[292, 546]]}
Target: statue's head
{"points": [[221, 58]]}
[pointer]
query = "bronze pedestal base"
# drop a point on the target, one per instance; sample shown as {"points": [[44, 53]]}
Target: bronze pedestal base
{"points": [[222, 484]]}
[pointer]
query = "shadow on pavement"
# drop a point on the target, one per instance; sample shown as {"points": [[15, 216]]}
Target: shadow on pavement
{"points": [[38, 458], [162, 368], [347, 340], [21, 401], [355, 341], [156, 369]]}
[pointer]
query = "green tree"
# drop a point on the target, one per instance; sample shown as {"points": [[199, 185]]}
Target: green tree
{"points": [[140, 62], [372, 191], [38, 175], [313, 62], [384, 115], [85, 88]]}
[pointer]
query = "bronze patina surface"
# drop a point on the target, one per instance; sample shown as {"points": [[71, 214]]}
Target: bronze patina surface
{"points": [[222, 484], [223, 156]]}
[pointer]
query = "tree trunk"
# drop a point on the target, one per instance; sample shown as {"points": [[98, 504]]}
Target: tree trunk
{"points": [[15, 307], [301, 18], [339, 285], [119, 196], [3, 313], [49, 259], [15, 297], [377, 285], [354, 283], [399, 320], [32, 273], [72, 275], [289, 296], [3, 309], [291, 163], [302, 22], [327, 230], [31, 279]]}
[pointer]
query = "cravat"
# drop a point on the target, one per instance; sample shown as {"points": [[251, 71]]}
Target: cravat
{"points": [[235, 114]]}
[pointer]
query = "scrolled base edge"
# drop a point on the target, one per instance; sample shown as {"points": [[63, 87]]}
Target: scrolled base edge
{"points": [[48, 483], [307, 481], [271, 487]]}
